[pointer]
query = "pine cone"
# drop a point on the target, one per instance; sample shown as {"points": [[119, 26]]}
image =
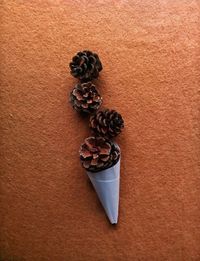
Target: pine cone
{"points": [[98, 153], [85, 66], [107, 123], [85, 98]]}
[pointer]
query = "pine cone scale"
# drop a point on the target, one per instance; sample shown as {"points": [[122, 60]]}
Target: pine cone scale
{"points": [[85, 98], [85, 66], [107, 123], [104, 153]]}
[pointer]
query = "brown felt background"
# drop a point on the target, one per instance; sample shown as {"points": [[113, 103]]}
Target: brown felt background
{"points": [[150, 52]]}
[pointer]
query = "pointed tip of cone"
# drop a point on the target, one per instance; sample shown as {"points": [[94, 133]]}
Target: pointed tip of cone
{"points": [[113, 220]]}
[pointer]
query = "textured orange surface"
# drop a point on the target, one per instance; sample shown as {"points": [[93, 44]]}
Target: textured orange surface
{"points": [[150, 52]]}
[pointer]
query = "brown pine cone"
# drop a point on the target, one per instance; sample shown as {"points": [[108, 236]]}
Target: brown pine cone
{"points": [[98, 153], [85, 66], [107, 123], [85, 98]]}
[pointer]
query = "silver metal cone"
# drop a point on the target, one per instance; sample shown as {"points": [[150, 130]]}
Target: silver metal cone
{"points": [[106, 184]]}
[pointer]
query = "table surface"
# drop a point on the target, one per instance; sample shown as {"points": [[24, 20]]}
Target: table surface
{"points": [[151, 58]]}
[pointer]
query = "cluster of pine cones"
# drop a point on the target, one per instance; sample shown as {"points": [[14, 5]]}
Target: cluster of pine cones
{"points": [[99, 151]]}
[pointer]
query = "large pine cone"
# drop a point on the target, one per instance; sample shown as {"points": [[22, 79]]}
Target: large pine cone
{"points": [[98, 153], [107, 123], [85, 98], [85, 66]]}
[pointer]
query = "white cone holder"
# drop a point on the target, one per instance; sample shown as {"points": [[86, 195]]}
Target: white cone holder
{"points": [[106, 184]]}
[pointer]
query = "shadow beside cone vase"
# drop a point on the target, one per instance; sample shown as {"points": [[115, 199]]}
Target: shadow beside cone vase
{"points": [[106, 184]]}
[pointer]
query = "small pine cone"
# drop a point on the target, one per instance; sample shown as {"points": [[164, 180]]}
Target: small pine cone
{"points": [[107, 123], [85, 66], [98, 153], [85, 98]]}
